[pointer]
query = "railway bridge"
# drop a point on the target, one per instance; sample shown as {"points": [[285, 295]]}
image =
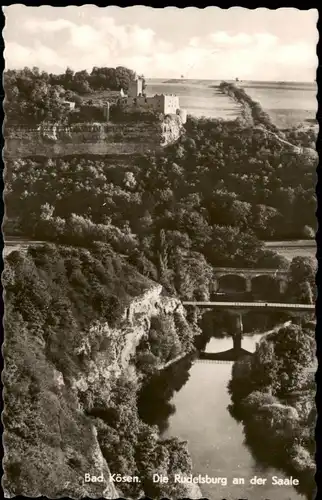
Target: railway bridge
{"points": [[238, 309], [247, 278]]}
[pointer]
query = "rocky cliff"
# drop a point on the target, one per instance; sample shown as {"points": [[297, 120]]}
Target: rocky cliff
{"points": [[96, 138], [56, 412], [172, 129], [122, 341]]}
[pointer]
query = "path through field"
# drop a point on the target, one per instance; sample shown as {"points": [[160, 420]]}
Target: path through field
{"points": [[290, 249], [15, 243]]}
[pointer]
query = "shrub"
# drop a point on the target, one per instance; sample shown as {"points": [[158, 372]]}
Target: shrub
{"points": [[256, 400], [147, 362]]}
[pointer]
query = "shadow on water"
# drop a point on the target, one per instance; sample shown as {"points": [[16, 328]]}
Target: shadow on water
{"points": [[154, 398], [156, 408]]}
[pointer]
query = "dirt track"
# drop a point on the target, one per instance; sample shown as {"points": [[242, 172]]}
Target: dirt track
{"points": [[15, 243]]}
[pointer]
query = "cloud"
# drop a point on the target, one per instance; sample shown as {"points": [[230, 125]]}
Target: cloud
{"points": [[19, 56], [265, 39], [223, 38], [98, 40], [297, 54], [131, 38], [103, 33], [85, 37], [194, 41], [35, 25]]}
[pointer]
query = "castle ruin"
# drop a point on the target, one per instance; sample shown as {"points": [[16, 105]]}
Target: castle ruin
{"points": [[167, 104]]}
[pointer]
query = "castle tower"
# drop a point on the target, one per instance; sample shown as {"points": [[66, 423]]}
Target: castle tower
{"points": [[136, 88], [106, 111]]}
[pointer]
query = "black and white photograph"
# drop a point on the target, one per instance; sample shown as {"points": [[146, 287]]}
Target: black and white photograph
{"points": [[160, 170]]}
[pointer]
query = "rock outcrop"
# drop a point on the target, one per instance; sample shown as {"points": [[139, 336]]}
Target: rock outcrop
{"points": [[122, 341], [172, 129], [50, 441], [109, 138]]}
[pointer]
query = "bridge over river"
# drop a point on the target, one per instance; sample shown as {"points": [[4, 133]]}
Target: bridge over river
{"points": [[238, 309], [247, 306], [246, 279]]}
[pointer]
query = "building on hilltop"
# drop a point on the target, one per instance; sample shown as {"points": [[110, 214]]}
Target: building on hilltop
{"points": [[168, 104], [136, 88], [89, 112], [68, 105]]}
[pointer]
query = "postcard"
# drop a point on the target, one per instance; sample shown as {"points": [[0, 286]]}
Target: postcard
{"points": [[159, 260]]}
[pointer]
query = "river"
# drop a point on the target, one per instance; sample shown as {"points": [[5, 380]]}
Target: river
{"points": [[198, 412]]}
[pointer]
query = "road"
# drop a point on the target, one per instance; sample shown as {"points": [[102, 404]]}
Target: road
{"points": [[13, 243]]}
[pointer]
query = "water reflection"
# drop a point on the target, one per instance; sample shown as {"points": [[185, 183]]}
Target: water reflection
{"points": [[154, 399], [190, 400]]}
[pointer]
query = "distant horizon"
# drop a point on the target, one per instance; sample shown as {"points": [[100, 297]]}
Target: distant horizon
{"points": [[230, 79], [173, 77]]}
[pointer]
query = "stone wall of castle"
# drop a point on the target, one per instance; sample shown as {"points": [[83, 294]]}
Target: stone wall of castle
{"points": [[101, 113], [166, 104], [136, 88]]}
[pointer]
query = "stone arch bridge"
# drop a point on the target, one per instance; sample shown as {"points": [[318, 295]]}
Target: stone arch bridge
{"points": [[238, 309], [247, 277]]}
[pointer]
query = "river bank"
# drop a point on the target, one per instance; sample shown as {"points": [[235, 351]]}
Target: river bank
{"points": [[273, 395], [190, 400]]}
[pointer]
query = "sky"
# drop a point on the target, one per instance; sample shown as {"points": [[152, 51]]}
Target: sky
{"points": [[210, 43]]}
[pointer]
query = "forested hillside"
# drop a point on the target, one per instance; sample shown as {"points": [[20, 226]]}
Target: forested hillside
{"points": [[33, 96], [70, 396], [116, 226], [209, 199], [273, 393]]}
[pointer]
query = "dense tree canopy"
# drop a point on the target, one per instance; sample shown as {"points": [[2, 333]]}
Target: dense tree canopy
{"points": [[215, 194], [33, 96], [302, 279], [54, 297], [273, 393], [208, 200]]}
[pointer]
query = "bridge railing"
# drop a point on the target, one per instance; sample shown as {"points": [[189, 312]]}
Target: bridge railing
{"points": [[250, 270], [252, 305]]}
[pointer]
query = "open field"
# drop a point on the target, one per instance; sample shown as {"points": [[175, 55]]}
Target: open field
{"points": [[290, 249], [288, 103], [101, 97], [14, 243]]}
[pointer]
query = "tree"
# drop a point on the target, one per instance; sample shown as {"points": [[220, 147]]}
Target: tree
{"points": [[302, 279], [240, 212], [80, 82], [269, 259], [308, 232], [264, 219], [293, 351]]}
